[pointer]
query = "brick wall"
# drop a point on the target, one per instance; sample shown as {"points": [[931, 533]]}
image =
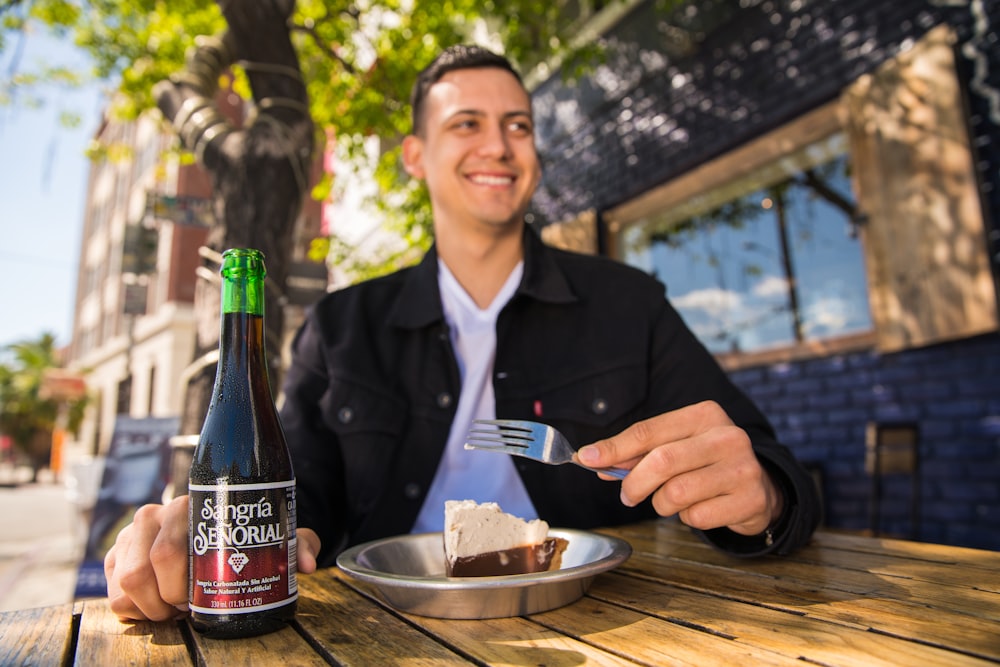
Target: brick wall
{"points": [[820, 409], [656, 110]]}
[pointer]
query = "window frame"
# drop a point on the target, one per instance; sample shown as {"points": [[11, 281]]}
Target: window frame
{"points": [[810, 128]]}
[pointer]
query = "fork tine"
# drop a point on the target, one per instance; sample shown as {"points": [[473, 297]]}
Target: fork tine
{"points": [[507, 423], [501, 446], [490, 447], [500, 436], [505, 427], [532, 440], [495, 442]]}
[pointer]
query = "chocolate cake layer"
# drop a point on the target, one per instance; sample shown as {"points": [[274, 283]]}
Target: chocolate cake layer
{"points": [[519, 560]]}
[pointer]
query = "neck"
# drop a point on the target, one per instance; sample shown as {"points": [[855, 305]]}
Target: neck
{"points": [[481, 264]]}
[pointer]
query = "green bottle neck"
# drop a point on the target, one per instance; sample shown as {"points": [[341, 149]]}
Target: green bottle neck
{"points": [[243, 275]]}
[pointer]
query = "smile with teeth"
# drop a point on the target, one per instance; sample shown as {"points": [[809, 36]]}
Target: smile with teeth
{"points": [[491, 179]]}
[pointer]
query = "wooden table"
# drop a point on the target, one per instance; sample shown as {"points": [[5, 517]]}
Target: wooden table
{"points": [[844, 600]]}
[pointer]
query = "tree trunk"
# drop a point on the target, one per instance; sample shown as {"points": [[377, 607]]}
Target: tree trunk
{"points": [[260, 173]]}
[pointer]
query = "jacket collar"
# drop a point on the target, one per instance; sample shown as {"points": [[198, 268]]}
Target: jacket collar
{"points": [[419, 301]]}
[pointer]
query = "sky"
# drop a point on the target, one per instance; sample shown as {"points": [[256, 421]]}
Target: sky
{"points": [[43, 177]]}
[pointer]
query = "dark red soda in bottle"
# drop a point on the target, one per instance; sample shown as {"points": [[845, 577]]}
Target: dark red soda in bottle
{"points": [[242, 542]]}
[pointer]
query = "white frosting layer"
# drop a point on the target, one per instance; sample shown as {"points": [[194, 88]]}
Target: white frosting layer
{"points": [[471, 529]]}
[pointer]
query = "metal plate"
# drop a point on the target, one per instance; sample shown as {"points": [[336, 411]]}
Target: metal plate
{"points": [[408, 572]]}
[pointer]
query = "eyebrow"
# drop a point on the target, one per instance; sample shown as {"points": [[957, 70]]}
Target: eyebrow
{"points": [[479, 113]]}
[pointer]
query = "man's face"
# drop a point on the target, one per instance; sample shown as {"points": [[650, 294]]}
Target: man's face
{"points": [[477, 150]]}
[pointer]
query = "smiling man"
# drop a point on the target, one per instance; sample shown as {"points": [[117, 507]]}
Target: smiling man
{"points": [[473, 145], [387, 376]]}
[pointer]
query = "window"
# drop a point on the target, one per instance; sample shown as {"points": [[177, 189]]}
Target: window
{"points": [[768, 260], [752, 245], [124, 399]]}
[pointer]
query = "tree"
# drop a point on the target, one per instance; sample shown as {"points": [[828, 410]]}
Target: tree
{"points": [[28, 414], [315, 70], [357, 60]]}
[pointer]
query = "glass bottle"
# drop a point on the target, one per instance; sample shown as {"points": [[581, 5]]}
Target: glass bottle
{"points": [[242, 541]]}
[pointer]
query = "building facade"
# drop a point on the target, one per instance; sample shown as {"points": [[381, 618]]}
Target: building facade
{"points": [[146, 221], [133, 326], [818, 186]]}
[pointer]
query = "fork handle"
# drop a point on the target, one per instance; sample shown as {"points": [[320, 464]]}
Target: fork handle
{"points": [[618, 473]]}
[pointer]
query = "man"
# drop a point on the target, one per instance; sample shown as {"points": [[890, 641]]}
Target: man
{"points": [[388, 375]]}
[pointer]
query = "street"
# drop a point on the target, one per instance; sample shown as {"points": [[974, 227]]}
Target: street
{"points": [[41, 543]]}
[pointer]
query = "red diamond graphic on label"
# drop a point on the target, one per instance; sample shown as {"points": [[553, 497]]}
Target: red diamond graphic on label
{"points": [[237, 561]]}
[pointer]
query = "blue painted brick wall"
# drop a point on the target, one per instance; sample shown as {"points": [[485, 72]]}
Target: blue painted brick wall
{"points": [[649, 124], [820, 409]]}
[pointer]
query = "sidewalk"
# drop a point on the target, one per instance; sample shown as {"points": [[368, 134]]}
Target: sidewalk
{"points": [[41, 544]]}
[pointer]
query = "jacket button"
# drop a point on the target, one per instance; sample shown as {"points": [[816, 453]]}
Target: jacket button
{"points": [[411, 491], [444, 399], [599, 406], [345, 415]]}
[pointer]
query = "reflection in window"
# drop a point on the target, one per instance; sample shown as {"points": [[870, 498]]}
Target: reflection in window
{"points": [[771, 262]]}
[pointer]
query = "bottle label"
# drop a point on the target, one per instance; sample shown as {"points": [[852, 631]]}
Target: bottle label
{"points": [[243, 549]]}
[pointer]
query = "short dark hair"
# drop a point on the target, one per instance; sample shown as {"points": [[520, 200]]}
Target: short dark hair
{"points": [[460, 56]]}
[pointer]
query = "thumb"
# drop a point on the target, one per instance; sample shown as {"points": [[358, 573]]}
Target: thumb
{"points": [[309, 544]]}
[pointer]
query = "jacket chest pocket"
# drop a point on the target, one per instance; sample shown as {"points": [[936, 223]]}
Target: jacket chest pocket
{"points": [[605, 400], [369, 425]]}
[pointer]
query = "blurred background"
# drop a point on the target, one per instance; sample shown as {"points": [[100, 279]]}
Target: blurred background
{"points": [[817, 184]]}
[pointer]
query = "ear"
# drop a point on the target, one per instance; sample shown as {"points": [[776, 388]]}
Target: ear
{"points": [[413, 151]]}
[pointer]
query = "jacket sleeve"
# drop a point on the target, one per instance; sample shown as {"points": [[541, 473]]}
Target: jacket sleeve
{"points": [[314, 447], [678, 354]]}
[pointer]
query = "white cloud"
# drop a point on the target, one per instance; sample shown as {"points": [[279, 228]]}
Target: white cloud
{"points": [[770, 286], [830, 315], [714, 302]]}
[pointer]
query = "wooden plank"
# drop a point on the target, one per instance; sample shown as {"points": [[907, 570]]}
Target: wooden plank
{"points": [[354, 630], [790, 634], [976, 561], [980, 570], [652, 640], [503, 641], [283, 647], [902, 614], [946, 598], [41, 636], [104, 640], [517, 641], [932, 564], [894, 597]]}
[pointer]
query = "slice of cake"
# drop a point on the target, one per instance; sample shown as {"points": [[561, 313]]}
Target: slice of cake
{"points": [[483, 541]]}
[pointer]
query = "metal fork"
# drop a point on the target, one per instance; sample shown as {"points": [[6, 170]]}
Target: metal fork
{"points": [[529, 439]]}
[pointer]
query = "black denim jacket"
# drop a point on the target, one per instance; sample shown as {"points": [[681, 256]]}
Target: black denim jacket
{"points": [[586, 344]]}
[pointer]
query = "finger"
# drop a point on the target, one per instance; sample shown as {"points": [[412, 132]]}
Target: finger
{"points": [[135, 573], [734, 492], [169, 554], [118, 601], [627, 447], [114, 567], [309, 544], [715, 462], [740, 513]]}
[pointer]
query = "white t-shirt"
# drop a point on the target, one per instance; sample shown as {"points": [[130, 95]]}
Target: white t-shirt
{"points": [[468, 474]]}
